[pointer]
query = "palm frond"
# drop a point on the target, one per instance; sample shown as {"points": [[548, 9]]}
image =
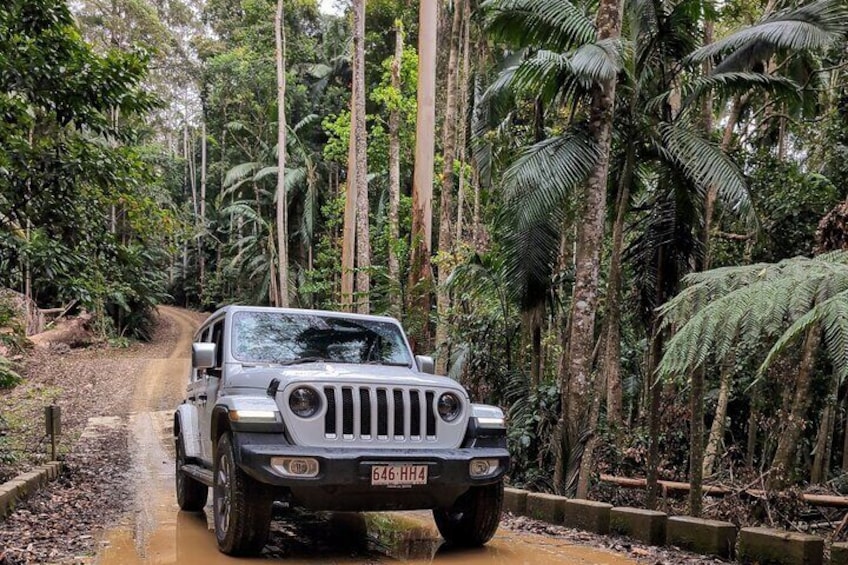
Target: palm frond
{"points": [[547, 172], [705, 164], [240, 172], [598, 61], [739, 82], [554, 24], [815, 26]]}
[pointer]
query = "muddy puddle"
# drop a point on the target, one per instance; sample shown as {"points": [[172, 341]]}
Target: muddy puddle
{"points": [[343, 538]]}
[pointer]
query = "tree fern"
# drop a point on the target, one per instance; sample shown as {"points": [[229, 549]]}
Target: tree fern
{"points": [[758, 304]]}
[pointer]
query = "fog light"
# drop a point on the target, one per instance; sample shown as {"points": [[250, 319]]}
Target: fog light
{"points": [[298, 467], [479, 468]]}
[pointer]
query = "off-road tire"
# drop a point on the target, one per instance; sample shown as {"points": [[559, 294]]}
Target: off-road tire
{"points": [[474, 517], [191, 493], [241, 505]]}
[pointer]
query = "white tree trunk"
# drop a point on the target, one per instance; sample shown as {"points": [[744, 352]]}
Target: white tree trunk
{"points": [[446, 205], [282, 200], [422, 182], [394, 166], [363, 237]]}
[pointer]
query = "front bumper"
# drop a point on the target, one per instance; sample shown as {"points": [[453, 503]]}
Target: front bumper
{"points": [[344, 477], [352, 466]]}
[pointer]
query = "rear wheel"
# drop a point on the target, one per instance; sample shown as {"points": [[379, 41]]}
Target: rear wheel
{"points": [[241, 505], [191, 494], [474, 517]]}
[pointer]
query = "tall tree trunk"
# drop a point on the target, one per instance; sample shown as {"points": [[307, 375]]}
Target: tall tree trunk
{"points": [[611, 364], [422, 182], [464, 78], [363, 237], [192, 174], [784, 456], [446, 204], [201, 256], [576, 385], [717, 428], [394, 167], [282, 198], [349, 228]]}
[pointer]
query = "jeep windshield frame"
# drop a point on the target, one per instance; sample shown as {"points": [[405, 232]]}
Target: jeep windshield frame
{"points": [[291, 338]]}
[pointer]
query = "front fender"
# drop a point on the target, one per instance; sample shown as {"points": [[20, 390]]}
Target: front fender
{"points": [[247, 413], [186, 422]]}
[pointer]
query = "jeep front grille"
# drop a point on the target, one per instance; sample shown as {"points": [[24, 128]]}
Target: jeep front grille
{"points": [[381, 413]]}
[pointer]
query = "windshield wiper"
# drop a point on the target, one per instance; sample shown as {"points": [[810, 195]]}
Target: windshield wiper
{"points": [[386, 363], [301, 360]]}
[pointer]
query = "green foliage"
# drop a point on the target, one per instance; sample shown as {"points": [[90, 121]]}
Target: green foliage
{"points": [[67, 166]]}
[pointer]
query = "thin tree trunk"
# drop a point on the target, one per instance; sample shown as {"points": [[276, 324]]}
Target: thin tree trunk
{"points": [[273, 292], [422, 182], [784, 456], [611, 363], [845, 438], [751, 444], [824, 437], [282, 198], [363, 237], [394, 167], [696, 441], [192, 174], [576, 385], [464, 78], [446, 205], [201, 256], [655, 387], [718, 426], [475, 214]]}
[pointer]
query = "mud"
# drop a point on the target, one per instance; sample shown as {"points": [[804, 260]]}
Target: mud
{"points": [[158, 533]]}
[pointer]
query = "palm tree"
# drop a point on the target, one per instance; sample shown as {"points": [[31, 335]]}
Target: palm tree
{"points": [[247, 185]]}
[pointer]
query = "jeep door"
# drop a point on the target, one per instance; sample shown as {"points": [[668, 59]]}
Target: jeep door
{"points": [[207, 389]]}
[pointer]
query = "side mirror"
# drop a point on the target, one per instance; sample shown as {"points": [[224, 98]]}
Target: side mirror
{"points": [[203, 355], [425, 364]]}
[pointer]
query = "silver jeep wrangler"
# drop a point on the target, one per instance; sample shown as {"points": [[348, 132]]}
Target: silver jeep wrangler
{"points": [[330, 411]]}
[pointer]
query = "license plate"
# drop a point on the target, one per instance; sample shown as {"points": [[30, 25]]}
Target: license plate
{"points": [[398, 475]]}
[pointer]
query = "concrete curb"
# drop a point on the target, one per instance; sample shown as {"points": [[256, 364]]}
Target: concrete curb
{"points": [[15, 490], [705, 537]]}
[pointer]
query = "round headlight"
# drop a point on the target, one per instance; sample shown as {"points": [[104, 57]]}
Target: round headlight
{"points": [[304, 402], [449, 407]]}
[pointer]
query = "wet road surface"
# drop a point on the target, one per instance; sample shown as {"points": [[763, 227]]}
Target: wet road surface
{"points": [[156, 532]]}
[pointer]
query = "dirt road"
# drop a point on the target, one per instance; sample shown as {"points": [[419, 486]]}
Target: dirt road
{"points": [[157, 532]]}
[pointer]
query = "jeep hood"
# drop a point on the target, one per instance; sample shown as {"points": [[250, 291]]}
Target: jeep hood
{"points": [[241, 377]]}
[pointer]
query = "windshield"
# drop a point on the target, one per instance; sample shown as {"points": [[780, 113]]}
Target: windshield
{"points": [[274, 337]]}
